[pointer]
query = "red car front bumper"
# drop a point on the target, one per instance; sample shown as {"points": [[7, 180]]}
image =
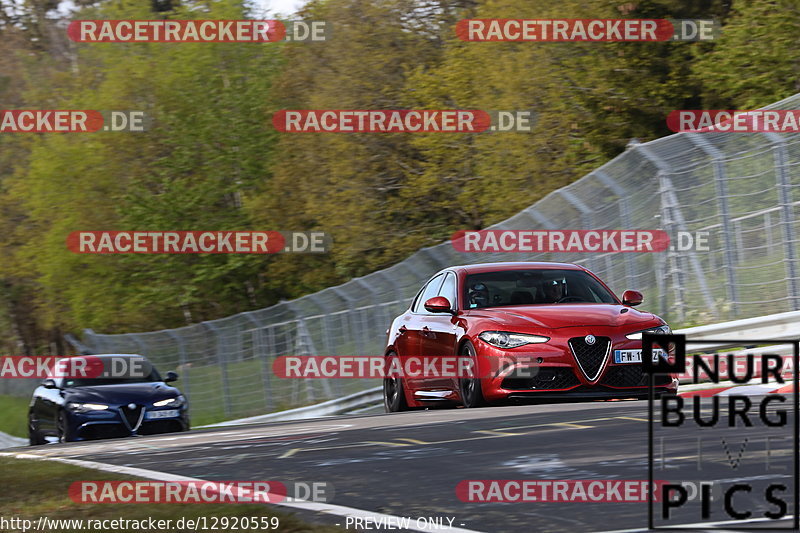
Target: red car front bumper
{"points": [[552, 370]]}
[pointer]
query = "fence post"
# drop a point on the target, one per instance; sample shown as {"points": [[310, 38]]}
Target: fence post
{"points": [[669, 191], [351, 317], [142, 349], [534, 214], [721, 183], [768, 229], [668, 222], [223, 367], [587, 219], [265, 368], [783, 184], [625, 218], [258, 353], [182, 362]]}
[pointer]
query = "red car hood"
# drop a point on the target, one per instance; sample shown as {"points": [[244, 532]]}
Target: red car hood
{"points": [[563, 315]]}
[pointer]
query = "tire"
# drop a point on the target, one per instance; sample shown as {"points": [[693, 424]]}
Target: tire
{"points": [[61, 427], [34, 437], [394, 398], [470, 388]]}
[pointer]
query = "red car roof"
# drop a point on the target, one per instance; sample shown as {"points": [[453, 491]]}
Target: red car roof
{"points": [[514, 265]]}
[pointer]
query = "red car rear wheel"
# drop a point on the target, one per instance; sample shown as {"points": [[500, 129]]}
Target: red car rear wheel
{"points": [[394, 397]]}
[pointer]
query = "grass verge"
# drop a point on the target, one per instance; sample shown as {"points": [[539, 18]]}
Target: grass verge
{"points": [[13, 415]]}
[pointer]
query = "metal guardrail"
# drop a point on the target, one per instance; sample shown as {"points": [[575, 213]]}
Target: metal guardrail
{"points": [[368, 398], [779, 326]]}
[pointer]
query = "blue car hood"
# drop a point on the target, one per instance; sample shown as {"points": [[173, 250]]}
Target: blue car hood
{"points": [[139, 393]]}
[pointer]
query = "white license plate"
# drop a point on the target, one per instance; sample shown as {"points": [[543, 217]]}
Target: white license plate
{"points": [[169, 413], [635, 356]]}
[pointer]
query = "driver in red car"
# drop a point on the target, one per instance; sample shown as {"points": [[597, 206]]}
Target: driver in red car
{"points": [[553, 291]]}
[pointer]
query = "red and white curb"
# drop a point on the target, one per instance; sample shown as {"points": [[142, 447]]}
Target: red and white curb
{"points": [[705, 390]]}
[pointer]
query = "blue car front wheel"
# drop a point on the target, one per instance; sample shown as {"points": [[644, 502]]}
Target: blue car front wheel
{"points": [[62, 431]]}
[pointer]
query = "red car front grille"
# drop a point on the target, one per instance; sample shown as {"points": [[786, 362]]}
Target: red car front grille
{"points": [[590, 357]]}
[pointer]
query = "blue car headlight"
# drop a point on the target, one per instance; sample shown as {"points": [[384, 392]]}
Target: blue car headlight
{"points": [[77, 407], [170, 402]]}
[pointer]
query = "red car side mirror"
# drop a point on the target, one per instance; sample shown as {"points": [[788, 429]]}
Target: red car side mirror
{"points": [[632, 298], [438, 304]]}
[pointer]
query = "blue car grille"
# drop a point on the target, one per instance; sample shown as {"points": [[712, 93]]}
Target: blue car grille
{"points": [[132, 416]]}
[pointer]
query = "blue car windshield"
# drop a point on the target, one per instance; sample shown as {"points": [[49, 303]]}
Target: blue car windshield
{"points": [[532, 287], [93, 382]]}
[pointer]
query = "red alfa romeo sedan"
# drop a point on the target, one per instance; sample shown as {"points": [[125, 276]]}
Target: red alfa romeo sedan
{"points": [[529, 331]]}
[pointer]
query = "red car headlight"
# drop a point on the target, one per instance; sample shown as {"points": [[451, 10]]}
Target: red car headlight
{"points": [[637, 336], [505, 339]]}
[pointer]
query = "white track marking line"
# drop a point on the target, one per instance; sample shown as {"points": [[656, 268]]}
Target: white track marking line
{"points": [[325, 508], [698, 526], [751, 390]]}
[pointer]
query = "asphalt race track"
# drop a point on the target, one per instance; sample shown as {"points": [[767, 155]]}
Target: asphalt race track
{"points": [[409, 464]]}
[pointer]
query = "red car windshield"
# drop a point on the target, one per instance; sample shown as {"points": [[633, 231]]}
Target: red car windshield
{"points": [[530, 287]]}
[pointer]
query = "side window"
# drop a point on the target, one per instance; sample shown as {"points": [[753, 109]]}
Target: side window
{"points": [[431, 290], [448, 289]]}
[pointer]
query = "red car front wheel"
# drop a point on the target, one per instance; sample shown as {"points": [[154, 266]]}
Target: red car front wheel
{"points": [[470, 388]]}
